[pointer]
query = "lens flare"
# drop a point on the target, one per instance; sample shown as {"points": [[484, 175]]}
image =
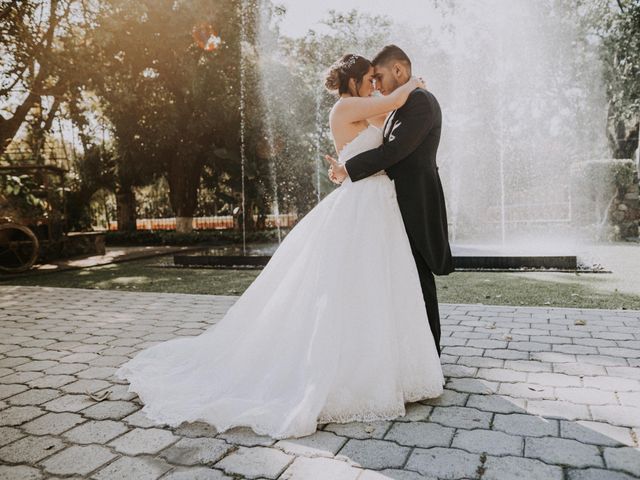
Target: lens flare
{"points": [[206, 37]]}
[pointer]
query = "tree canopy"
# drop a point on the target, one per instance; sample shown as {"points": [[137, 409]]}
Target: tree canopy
{"points": [[145, 96]]}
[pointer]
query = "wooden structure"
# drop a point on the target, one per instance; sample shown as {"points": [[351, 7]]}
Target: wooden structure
{"points": [[23, 237]]}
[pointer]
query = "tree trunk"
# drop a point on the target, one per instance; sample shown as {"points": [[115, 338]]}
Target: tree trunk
{"points": [[126, 209], [42, 127], [184, 180], [9, 128], [623, 136], [184, 224], [250, 205]]}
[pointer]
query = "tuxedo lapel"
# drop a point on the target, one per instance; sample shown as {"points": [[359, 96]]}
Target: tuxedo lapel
{"points": [[388, 122]]}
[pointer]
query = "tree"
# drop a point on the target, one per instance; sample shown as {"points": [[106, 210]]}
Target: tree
{"points": [[172, 97], [616, 25], [41, 43], [621, 50]]}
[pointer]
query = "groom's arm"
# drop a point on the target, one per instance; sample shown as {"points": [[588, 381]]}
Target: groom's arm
{"points": [[419, 115]]}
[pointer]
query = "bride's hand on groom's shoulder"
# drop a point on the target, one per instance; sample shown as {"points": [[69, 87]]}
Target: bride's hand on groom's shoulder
{"points": [[418, 82]]}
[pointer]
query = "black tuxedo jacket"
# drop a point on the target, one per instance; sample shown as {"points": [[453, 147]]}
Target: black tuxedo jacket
{"points": [[408, 155]]}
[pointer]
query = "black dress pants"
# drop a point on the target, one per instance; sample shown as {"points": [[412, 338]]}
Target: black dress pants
{"points": [[428, 285]]}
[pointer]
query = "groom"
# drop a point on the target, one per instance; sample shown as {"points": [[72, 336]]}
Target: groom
{"points": [[408, 155]]}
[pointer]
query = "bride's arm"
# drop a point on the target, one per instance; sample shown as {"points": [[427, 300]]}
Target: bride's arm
{"points": [[378, 120], [356, 109]]}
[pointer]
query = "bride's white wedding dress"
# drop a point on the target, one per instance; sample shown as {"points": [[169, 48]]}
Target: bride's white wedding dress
{"points": [[334, 329]]}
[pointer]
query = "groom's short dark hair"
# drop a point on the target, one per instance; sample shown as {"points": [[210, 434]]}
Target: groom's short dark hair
{"points": [[389, 54]]}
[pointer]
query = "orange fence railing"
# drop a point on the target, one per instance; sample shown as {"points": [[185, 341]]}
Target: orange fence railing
{"points": [[218, 222]]}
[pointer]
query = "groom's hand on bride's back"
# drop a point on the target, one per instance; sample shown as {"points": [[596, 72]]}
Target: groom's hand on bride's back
{"points": [[337, 172]]}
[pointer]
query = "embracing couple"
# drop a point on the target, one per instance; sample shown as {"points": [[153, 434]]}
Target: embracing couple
{"points": [[342, 324]]}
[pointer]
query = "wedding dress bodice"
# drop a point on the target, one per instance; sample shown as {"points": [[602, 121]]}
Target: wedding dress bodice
{"points": [[367, 139]]}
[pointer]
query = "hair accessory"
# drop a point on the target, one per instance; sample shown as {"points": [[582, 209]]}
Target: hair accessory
{"points": [[349, 63]]}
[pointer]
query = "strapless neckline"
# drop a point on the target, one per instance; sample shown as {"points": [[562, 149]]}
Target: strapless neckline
{"points": [[350, 143]]}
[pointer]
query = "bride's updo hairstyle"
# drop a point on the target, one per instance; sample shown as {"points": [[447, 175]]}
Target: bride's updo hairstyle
{"points": [[349, 66]]}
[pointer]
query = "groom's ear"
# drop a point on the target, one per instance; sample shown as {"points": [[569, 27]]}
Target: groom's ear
{"points": [[401, 71], [397, 71]]}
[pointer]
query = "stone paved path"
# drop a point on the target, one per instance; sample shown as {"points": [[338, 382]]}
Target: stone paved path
{"points": [[531, 393]]}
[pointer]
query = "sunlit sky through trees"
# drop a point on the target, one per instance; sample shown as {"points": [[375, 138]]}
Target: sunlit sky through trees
{"points": [[303, 15]]}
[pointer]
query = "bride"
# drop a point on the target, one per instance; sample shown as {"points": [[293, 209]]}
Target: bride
{"points": [[334, 329]]}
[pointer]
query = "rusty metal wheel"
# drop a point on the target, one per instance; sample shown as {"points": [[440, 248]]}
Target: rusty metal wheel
{"points": [[18, 248]]}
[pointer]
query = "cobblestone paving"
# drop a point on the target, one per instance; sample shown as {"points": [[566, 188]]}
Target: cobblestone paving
{"points": [[531, 393]]}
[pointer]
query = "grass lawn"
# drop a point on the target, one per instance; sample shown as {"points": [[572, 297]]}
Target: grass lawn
{"points": [[494, 288]]}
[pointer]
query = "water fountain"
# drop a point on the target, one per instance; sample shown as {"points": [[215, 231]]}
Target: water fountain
{"points": [[318, 135], [273, 176], [522, 103], [243, 158], [247, 256]]}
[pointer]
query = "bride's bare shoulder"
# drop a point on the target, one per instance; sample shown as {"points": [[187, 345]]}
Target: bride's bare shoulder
{"points": [[336, 108], [340, 111], [336, 112]]}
